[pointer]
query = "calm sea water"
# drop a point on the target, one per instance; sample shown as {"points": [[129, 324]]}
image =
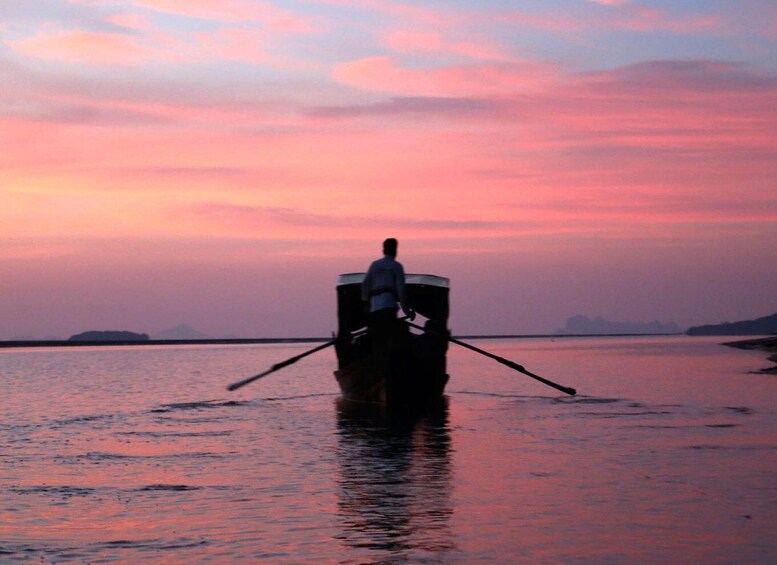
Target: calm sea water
{"points": [[139, 454]]}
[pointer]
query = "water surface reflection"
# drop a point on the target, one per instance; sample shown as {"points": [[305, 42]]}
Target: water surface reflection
{"points": [[394, 484]]}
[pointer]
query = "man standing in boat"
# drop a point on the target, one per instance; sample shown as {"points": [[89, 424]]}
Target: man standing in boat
{"points": [[382, 288]]}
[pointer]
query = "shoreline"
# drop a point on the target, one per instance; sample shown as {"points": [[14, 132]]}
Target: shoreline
{"points": [[767, 344], [11, 344], [108, 343]]}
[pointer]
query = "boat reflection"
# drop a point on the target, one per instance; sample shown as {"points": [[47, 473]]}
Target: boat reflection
{"points": [[394, 486]]}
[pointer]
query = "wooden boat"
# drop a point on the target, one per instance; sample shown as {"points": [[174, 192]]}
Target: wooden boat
{"points": [[408, 369], [399, 369]]}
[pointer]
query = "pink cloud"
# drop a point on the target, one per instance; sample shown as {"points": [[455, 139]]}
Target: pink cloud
{"points": [[629, 16], [244, 45], [636, 149], [646, 19], [610, 2], [430, 42], [524, 155], [234, 44], [669, 207], [91, 47], [257, 217], [406, 12], [130, 21], [235, 11], [383, 74]]}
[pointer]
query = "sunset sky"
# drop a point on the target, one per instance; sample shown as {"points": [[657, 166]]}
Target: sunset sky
{"points": [[219, 162]]}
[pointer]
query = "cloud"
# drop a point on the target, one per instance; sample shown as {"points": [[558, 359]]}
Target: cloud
{"points": [[648, 19], [137, 44], [100, 48], [667, 208], [692, 102], [234, 44], [678, 105], [130, 21], [258, 216], [416, 106], [271, 16], [428, 42], [106, 34], [702, 76], [81, 114], [629, 16], [384, 74], [610, 2]]}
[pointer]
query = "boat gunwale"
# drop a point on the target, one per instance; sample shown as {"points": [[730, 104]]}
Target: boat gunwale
{"points": [[346, 279]]}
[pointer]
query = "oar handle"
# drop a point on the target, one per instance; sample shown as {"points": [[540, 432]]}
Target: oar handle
{"points": [[291, 360]]}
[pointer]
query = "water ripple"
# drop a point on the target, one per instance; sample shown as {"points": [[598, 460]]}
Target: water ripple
{"points": [[169, 488], [98, 456], [161, 435], [59, 491], [200, 405]]}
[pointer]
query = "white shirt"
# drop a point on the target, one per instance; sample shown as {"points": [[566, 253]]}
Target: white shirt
{"points": [[384, 284]]}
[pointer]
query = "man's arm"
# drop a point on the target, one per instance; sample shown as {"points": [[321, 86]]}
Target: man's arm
{"points": [[402, 292]]}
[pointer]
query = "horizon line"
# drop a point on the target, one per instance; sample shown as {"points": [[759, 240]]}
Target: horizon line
{"points": [[9, 344]]}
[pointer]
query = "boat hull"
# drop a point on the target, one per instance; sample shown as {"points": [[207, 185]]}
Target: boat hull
{"points": [[393, 366], [406, 376]]}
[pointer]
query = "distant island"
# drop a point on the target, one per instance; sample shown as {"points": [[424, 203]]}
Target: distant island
{"points": [[119, 336], [583, 325], [760, 326]]}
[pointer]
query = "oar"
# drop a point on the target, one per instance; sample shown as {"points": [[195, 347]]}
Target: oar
{"points": [[504, 361], [281, 365]]}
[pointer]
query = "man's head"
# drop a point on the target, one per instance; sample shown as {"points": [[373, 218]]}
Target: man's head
{"points": [[390, 247]]}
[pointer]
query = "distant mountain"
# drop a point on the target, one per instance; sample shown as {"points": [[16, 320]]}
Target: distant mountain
{"points": [[181, 331], [108, 336], [760, 326], [583, 325]]}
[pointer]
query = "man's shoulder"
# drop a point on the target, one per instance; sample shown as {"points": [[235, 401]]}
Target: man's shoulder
{"points": [[386, 264]]}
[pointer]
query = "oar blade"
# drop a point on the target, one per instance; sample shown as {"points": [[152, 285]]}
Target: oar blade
{"points": [[503, 361], [244, 382]]}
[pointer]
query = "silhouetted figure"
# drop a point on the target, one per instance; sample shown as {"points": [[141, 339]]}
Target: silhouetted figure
{"points": [[382, 289]]}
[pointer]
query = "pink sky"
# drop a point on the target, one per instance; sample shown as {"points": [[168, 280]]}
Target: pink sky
{"points": [[218, 162]]}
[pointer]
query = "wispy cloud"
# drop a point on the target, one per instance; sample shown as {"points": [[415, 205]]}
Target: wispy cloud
{"points": [[621, 15], [257, 217], [101, 48], [646, 19], [417, 107], [432, 42], [384, 74], [269, 14]]}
